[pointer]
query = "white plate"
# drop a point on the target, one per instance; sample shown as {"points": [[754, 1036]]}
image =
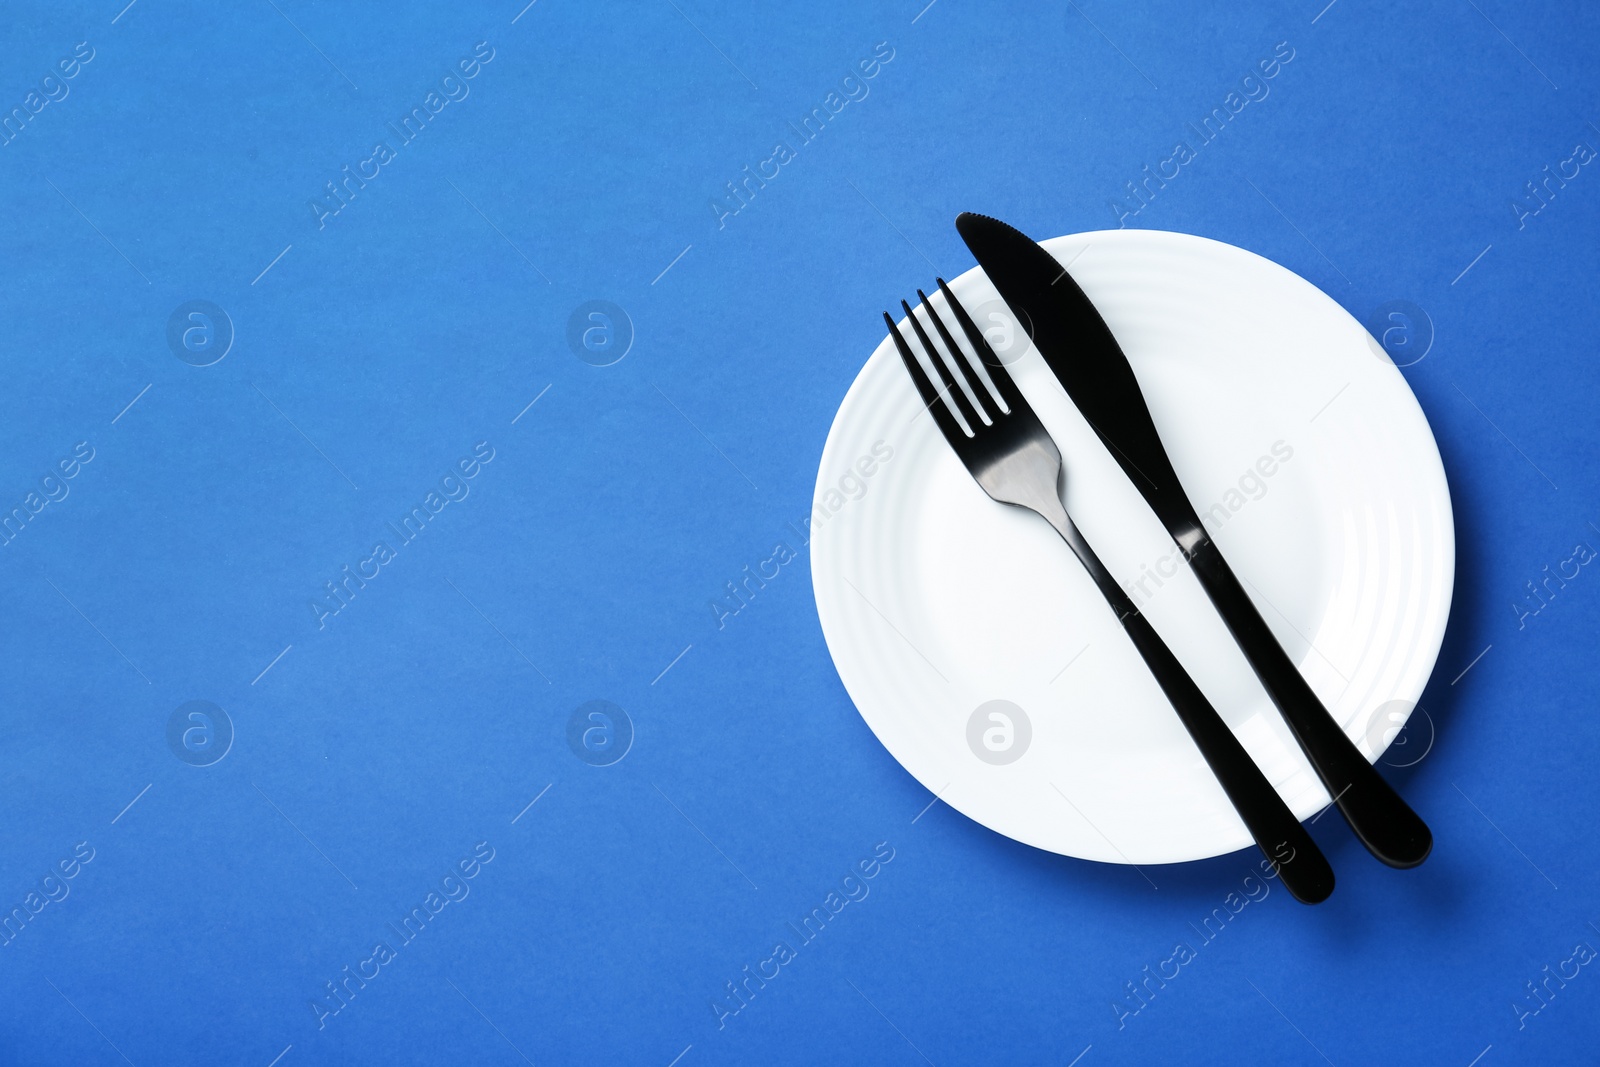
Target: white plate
{"points": [[935, 600]]}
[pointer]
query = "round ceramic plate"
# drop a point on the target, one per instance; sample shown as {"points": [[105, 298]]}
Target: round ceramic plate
{"points": [[985, 660]]}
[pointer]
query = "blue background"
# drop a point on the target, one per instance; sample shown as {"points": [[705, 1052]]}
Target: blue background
{"points": [[371, 754]]}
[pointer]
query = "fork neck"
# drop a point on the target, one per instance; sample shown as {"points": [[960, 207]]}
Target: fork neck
{"points": [[1055, 513]]}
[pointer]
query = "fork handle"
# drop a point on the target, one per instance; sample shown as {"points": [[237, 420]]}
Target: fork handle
{"points": [[1382, 821], [1300, 863]]}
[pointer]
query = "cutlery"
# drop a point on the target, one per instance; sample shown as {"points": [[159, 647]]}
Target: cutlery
{"points": [[1008, 453], [1084, 356]]}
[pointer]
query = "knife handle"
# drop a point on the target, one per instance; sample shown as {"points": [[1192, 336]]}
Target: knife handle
{"points": [[1382, 821], [1300, 864]]}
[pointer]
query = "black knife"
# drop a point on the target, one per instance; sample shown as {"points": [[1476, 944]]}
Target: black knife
{"points": [[1084, 356]]}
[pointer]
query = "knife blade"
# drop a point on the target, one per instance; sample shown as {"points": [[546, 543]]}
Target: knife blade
{"points": [[1084, 356]]}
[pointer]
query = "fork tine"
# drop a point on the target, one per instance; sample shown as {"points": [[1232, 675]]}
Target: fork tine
{"points": [[986, 353], [953, 433], [956, 357], [975, 419]]}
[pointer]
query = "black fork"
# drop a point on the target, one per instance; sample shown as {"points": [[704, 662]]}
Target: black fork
{"points": [[1007, 451]]}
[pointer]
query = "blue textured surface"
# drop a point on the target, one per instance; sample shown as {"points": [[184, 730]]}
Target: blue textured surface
{"points": [[376, 346]]}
